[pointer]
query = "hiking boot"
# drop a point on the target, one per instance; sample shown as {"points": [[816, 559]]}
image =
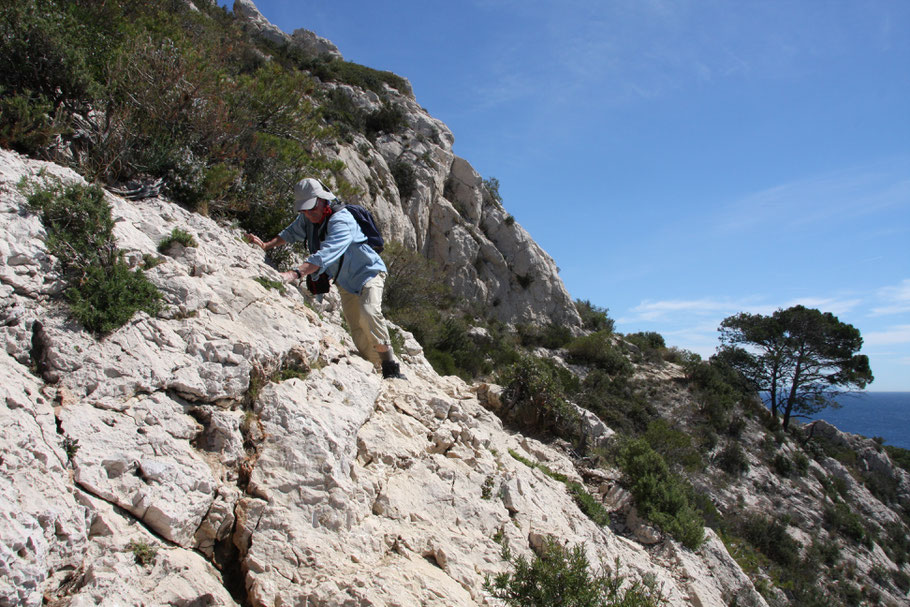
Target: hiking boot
{"points": [[391, 370]]}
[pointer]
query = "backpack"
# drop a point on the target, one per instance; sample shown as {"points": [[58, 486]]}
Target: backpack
{"points": [[366, 222]]}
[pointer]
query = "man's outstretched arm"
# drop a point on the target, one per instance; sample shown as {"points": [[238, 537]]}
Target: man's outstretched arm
{"points": [[265, 246]]}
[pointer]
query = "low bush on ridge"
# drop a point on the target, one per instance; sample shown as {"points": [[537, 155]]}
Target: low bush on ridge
{"points": [[660, 496], [593, 317], [558, 575], [534, 396], [597, 350]]}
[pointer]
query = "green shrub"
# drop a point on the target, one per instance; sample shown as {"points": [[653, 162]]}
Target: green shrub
{"points": [[492, 187], [412, 280], [143, 552], [389, 119], [782, 465], [26, 123], [70, 447], [290, 373], [179, 236], [417, 298], [597, 350], [442, 362], [735, 427], [452, 343], [733, 460], [718, 389], [650, 344], [79, 225], [550, 336], [109, 296], [339, 110], [800, 464], [835, 487], [449, 347], [594, 318], [660, 496], [556, 476], [901, 580], [338, 70], [823, 552], [524, 280], [897, 543], [486, 490], [405, 178], [673, 445], [849, 524], [562, 576], [770, 537], [593, 509], [679, 356], [102, 291], [523, 459], [785, 466], [899, 456], [534, 395], [616, 402], [174, 95], [41, 53], [268, 283]]}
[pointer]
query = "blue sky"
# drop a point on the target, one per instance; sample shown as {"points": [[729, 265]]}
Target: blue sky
{"points": [[684, 160]]}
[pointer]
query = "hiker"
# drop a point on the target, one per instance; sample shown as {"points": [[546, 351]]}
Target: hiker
{"points": [[338, 248]]}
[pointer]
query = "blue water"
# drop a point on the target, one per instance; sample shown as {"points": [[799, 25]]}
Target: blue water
{"points": [[873, 414]]}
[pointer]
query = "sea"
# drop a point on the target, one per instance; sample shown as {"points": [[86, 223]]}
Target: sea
{"points": [[872, 414]]}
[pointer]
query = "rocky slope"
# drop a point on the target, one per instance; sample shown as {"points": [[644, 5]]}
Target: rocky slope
{"points": [[326, 489], [170, 464]]}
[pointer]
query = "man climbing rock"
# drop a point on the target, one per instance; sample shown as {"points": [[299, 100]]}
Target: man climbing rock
{"points": [[338, 248]]}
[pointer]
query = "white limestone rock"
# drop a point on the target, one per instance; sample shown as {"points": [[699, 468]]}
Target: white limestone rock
{"points": [[143, 463], [43, 531]]}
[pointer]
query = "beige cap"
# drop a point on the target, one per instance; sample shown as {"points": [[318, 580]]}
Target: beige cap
{"points": [[307, 192]]}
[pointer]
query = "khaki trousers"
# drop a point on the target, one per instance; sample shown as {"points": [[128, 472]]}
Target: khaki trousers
{"points": [[363, 314]]}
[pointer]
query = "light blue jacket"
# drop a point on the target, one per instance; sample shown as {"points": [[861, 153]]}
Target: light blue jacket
{"points": [[343, 238]]}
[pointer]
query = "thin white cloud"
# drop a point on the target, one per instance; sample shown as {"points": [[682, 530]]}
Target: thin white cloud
{"points": [[899, 334], [661, 310], [673, 309], [821, 199], [894, 299]]}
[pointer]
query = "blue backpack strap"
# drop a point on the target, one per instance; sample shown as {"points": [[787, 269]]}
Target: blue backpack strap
{"points": [[366, 222]]}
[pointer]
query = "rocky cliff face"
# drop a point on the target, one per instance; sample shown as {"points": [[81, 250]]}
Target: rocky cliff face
{"points": [[168, 463], [450, 216]]}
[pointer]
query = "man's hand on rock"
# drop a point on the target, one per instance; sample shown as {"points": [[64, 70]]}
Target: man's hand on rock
{"points": [[305, 270], [255, 240]]}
